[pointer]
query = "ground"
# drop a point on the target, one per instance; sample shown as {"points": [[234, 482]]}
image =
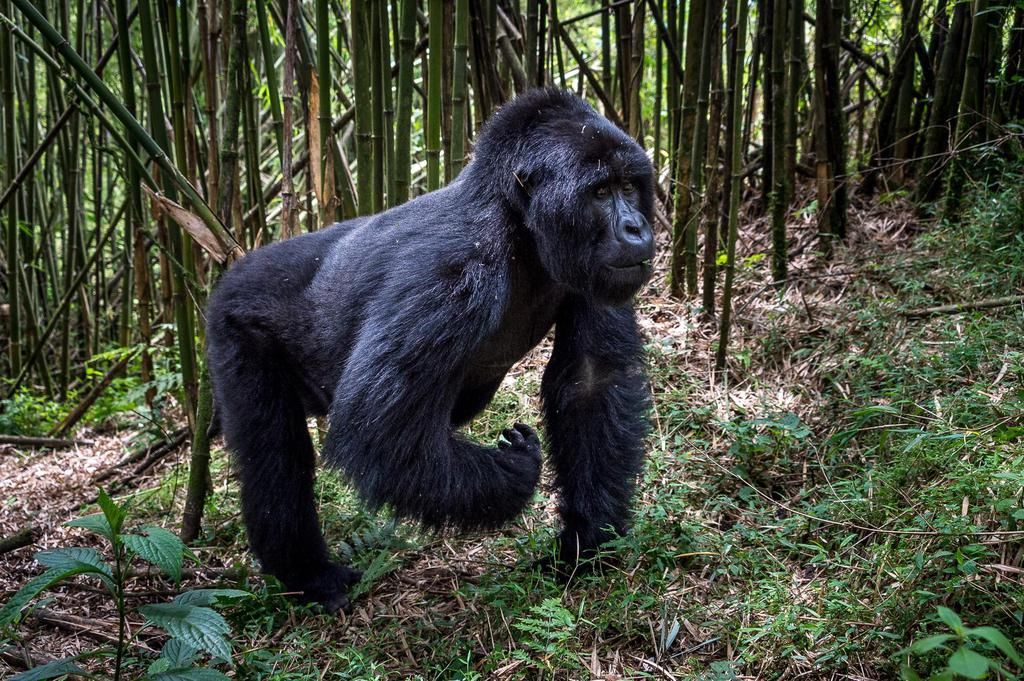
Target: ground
{"points": [[804, 515]]}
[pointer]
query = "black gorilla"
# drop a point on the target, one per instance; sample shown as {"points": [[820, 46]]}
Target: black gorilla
{"points": [[401, 326]]}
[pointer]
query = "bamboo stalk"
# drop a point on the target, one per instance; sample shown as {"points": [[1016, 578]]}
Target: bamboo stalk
{"points": [[403, 139], [459, 86], [738, 41], [433, 141]]}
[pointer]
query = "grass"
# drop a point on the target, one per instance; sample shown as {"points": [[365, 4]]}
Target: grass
{"points": [[819, 516]]}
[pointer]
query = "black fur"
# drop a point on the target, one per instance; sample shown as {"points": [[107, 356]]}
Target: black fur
{"points": [[400, 327]]}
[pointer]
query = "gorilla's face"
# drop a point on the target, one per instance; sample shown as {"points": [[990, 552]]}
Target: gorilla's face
{"points": [[623, 240], [590, 209]]}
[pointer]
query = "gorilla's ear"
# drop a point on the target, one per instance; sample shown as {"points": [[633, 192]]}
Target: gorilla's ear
{"points": [[524, 182]]}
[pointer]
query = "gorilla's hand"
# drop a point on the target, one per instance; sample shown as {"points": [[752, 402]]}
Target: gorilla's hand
{"points": [[522, 443], [519, 449]]}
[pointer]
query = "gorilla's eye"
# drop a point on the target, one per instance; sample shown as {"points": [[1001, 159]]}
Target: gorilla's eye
{"points": [[628, 187], [602, 192]]}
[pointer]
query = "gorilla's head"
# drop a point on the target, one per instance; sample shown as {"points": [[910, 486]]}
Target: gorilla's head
{"points": [[581, 187]]}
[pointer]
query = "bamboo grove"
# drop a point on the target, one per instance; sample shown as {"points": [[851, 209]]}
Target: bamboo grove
{"points": [[147, 144]]}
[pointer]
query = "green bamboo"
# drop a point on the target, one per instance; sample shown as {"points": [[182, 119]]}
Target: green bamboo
{"points": [[184, 321], [434, 87], [7, 95], [459, 86], [323, 67], [377, 55], [232, 112], [970, 120], [735, 181], [403, 117], [208, 46], [288, 224], [777, 104], [362, 84], [688, 121], [270, 72], [389, 102], [711, 32]]}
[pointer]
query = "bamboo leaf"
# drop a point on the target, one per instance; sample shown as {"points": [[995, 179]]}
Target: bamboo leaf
{"points": [[190, 222]]}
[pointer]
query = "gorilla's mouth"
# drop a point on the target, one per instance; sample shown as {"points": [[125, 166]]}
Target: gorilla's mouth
{"points": [[643, 264]]}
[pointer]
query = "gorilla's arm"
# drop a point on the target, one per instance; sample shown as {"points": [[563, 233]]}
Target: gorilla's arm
{"points": [[390, 423], [595, 403]]}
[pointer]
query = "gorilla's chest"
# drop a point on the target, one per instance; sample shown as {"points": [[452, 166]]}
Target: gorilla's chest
{"points": [[523, 326]]}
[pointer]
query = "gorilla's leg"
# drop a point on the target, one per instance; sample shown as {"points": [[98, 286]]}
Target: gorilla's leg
{"points": [[595, 401], [265, 425]]}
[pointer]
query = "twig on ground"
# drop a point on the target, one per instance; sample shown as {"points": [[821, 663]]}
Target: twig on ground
{"points": [[16, 541], [42, 442], [967, 306]]}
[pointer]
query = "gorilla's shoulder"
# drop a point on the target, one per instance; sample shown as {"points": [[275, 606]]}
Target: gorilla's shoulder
{"points": [[282, 266]]}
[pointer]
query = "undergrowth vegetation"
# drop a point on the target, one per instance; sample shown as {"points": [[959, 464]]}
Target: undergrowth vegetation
{"points": [[869, 527]]}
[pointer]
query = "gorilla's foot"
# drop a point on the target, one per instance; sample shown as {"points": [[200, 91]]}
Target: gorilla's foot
{"points": [[329, 587], [574, 558]]}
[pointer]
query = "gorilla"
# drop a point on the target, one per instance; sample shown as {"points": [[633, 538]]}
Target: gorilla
{"points": [[400, 327]]}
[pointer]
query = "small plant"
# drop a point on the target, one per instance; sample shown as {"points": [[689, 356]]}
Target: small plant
{"points": [[193, 626], [969, 651], [547, 635]]}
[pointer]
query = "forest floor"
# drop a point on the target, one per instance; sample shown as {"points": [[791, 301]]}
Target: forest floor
{"points": [[805, 517]]}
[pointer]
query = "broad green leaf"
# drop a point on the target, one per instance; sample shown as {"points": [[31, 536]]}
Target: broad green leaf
{"points": [[189, 674], [178, 654], [966, 662], [12, 608], [199, 627], [159, 665], [73, 556], [115, 514], [951, 619], [929, 643], [96, 523], [908, 674], [161, 548], [51, 670], [78, 560], [210, 596], [999, 640]]}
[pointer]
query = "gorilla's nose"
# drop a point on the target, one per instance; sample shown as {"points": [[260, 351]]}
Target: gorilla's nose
{"points": [[637, 236]]}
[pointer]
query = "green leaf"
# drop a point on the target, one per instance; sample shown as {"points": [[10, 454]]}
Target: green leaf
{"points": [[51, 670], [114, 513], [966, 662], [210, 596], [161, 548], [177, 654], [929, 643], [951, 619], [908, 674], [197, 626], [75, 556], [12, 608], [999, 640], [96, 523], [189, 674], [159, 665]]}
